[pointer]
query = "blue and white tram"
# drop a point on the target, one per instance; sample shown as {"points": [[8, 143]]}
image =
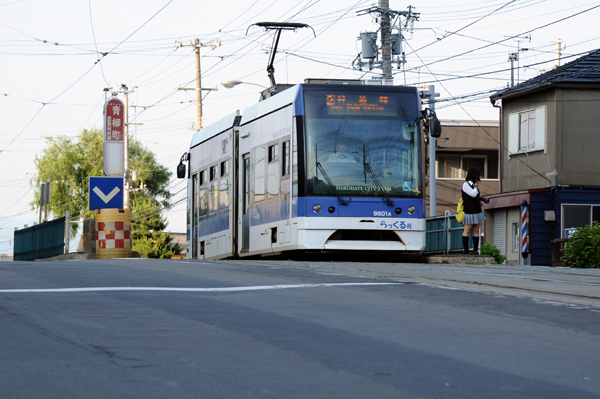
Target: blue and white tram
{"points": [[316, 167]]}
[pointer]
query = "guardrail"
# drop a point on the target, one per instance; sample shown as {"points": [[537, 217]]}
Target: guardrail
{"points": [[40, 241], [444, 235]]}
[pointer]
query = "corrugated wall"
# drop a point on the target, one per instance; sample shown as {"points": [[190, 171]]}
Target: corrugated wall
{"points": [[40, 241]]}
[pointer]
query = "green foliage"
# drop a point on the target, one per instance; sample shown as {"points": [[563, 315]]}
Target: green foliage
{"points": [[494, 252], [153, 244], [583, 248], [68, 163], [148, 224]]}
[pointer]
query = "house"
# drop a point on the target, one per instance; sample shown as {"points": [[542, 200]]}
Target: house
{"points": [[463, 145], [181, 240], [549, 158]]}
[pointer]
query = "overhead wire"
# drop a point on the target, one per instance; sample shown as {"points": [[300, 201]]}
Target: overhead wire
{"points": [[74, 83], [501, 41], [96, 44]]}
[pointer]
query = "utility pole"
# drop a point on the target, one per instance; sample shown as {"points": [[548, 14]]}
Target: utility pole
{"points": [[559, 49], [126, 148], [126, 186], [386, 39], [512, 57], [391, 42], [430, 95], [45, 191], [197, 45]]}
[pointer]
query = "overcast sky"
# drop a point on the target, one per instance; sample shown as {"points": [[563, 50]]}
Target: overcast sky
{"points": [[58, 56]]}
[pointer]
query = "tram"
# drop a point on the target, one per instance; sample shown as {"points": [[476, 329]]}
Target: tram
{"points": [[313, 168]]}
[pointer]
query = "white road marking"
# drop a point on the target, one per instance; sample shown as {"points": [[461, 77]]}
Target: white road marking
{"points": [[175, 289]]}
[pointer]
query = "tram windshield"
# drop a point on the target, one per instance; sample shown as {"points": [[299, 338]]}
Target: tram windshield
{"points": [[363, 143]]}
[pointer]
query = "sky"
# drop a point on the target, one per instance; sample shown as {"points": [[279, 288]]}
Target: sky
{"points": [[57, 57]]}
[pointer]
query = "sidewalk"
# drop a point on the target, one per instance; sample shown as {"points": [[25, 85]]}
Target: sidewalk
{"points": [[565, 285]]}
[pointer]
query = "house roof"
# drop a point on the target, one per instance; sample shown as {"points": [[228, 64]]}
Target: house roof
{"points": [[584, 71]]}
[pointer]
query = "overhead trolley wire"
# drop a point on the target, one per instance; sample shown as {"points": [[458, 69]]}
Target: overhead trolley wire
{"points": [[500, 41], [88, 71]]}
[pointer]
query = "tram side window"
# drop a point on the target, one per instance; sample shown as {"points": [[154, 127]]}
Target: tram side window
{"points": [[195, 199], [203, 194], [273, 171], [294, 159], [259, 173], [224, 168], [285, 161], [224, 186], [246, 184], [214, 190]]}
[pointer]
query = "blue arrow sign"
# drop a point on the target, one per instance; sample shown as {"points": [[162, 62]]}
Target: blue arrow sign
{"points": [[105, 193]]}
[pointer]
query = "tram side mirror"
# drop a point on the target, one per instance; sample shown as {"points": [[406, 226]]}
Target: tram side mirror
{"points": [[429, 117], [437, 127], [181, 170]]}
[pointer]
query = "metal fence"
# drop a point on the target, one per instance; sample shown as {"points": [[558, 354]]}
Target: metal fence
{"points": [[444, 235], [40, 241]]}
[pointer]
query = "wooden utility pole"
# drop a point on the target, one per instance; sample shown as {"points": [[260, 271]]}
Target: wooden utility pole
{"points": [[197, 45]]}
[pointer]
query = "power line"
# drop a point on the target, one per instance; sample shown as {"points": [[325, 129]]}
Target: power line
{"points": [[503, 40]]}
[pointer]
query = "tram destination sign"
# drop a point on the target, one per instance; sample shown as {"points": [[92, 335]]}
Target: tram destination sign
{"points": [[361, 104]]}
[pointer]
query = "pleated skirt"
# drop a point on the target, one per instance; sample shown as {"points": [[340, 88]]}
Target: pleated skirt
{"points": [[473, 218]]}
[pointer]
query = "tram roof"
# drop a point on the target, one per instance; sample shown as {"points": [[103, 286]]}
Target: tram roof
{"points": [[213, 129], [271, 104]]}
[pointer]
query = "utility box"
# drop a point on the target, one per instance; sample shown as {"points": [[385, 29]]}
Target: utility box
{"points": [[556, 253]]}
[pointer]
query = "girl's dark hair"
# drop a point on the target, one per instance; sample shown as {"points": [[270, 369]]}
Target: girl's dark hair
{"points": [[473, 175]]}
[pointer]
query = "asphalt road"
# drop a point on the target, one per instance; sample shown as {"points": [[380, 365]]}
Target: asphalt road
{"points": [[185, 329]]}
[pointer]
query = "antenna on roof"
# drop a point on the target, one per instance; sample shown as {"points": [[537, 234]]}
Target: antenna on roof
{"points": [[278, 26]]}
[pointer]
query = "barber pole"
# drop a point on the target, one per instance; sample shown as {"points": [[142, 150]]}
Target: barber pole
{"points": [[524, 235]]}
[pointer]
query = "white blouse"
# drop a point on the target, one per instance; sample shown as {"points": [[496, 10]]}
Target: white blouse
{"points": [[471, 192]]}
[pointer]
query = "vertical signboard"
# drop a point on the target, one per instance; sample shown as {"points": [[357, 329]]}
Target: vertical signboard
{"points": [[114, 145]]}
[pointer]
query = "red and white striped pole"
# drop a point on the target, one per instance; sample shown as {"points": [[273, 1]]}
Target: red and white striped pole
{"points": [[524, 230]]}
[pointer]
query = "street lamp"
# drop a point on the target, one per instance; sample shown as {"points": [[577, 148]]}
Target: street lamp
{"points": [[229, 84]]}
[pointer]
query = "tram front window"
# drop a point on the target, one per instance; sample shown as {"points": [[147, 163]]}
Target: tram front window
{"points": [[356, 137]]}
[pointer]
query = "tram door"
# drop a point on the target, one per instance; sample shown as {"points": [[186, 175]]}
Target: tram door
{"points": [[194, 212], [246, 204]]}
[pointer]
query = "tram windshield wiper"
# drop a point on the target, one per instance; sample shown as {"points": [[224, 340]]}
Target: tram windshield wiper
{"points": [[386, 197], [322, 170]]}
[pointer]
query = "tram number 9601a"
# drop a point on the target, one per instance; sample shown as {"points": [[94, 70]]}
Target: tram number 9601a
{"points": [[382, 213]]}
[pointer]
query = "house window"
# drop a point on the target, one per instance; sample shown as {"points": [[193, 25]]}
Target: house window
{"points": [[576, 216], [515, 239], [527, 131], [457, 166]]}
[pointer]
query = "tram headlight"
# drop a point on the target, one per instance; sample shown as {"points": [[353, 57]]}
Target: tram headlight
{"points": [[317, 208], [411, 210], [331, 209], [398, 211]]}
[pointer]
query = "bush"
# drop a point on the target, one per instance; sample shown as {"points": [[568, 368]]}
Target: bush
{"points": [[494, 252], [583, 248]]}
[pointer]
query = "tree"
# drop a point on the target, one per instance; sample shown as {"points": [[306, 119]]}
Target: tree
{"points": [[148, 224], [69, 162]]}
